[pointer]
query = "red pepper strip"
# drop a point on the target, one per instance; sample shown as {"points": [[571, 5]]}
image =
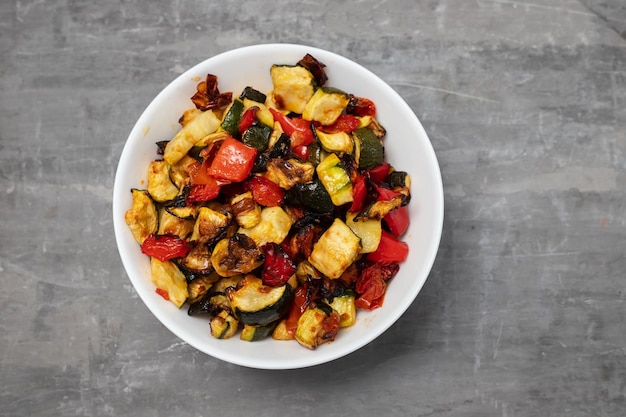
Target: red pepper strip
{"points": [[203, 192], [379, 174], [359, 193], [233, 161], [265, 191], [278, 267], [344, 123], [302, 297], [371, 290], [397, 219], [361, 106], [164, 247], [298, 129], [390, 250], [163, 293], [247, 119]]}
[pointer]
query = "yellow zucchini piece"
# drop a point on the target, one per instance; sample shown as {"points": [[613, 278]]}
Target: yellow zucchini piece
{"points": [[209, 224], [198, 127], [335, 142], [160, 185], [287, 173], [224, 325], [247, 211], [142, 217], [273, 227], [318, 324], [293, 87], [335, 179], [236, 255], [172, 225], [336, 250], [345, 306], [169, 280], [326, 105], [368, 230]]}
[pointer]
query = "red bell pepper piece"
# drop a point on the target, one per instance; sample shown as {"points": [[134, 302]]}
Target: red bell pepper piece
{"points": [[361, 106], [233, 161], [344, 123], [302, 152], [203, 192], [165, 247], [248, 118], [265, 191], [278, 267], [390, 250], [397, 219], [379, 173], [371, 290], [302, 297], [298, 129], [163, 293], [359, 193]]}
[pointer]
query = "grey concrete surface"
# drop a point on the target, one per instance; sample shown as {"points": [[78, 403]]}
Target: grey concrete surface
{"points": [[524, 311]]}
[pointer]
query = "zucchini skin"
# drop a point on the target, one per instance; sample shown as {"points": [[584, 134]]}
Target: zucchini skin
{"points": [[263, 307]]}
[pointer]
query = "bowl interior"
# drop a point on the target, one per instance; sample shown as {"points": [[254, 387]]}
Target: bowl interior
{"points": [[407, 148]]}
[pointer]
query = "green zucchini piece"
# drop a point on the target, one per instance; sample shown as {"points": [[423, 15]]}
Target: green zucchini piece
{"points": [[371, 148], [252, 333], [238, 254], [257, 136], [399, 179], [224, 325], [172, 225], [231, 120], [335, 179], [318, 324], [142, 218], [274, 226], [184, 213], [257, 304], [312, 196], [200, 286], [252, 94], [326, 105], [293, 87], [198, 260]]}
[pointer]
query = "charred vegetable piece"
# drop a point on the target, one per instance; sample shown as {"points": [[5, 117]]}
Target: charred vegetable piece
{"points": [[371, 148], [252, 94], [312, 196], [287, 173], [173, 225], [200, 286], [142, 217], [315, 67], [318, 324], [209, 224], [257, 304], [278, 267], [236, 255], [335, 142], [208, 95], [247, 212], [233, 117]]}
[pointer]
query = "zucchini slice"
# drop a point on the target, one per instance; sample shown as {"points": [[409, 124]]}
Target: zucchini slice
{"points": [[263, 114], [198, 260], [287, 173], [252, 94], [368, 230], [233, 117], [345, 306], [160, 185], [200, 286], [247, 211], [224, 325], [170, 224], [335, 142], [326, 105], [336, 250], [318, 324], [170, 282], [236, 255], [312, 196], [252, 333], [142, 218], [335, 179], [293, 87], [194, 130], [273, 227], [257, 304], [209, 224], [371, 151]]}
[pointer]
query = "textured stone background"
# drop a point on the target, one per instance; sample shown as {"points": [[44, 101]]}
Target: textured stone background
{"points": [[524, 312]]}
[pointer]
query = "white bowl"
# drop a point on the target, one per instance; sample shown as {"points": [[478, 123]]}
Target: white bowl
{"points": [[407, 148]]}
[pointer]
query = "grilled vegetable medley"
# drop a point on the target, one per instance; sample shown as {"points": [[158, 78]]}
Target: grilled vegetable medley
{"points": [[274, 214]]}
